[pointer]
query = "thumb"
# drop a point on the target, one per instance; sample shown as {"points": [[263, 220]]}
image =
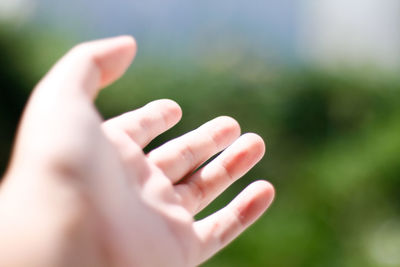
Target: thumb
{"points": [[90, 66], [60, 118]]}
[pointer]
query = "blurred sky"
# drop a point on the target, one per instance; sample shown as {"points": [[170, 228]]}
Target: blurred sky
{"points": [[352, 32], [324, 32], [264, 27]]}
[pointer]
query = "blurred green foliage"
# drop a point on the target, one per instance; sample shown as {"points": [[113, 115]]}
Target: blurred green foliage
{"points": [[332, 145]]}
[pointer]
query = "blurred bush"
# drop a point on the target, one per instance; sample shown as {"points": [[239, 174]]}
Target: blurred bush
{"points": [[332, 146], [13, 88]]}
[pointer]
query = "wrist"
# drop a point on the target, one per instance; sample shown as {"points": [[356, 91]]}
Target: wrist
{"points": [[35, 231]]}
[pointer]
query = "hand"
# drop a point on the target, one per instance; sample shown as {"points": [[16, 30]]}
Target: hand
{"points": [[81, 192]]}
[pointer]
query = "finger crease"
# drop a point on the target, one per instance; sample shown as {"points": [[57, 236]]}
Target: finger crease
{"points": [[145, 124], [200, 193], [164, 118], [239, 218], [227, 172], [188, 156], [214, 141]]}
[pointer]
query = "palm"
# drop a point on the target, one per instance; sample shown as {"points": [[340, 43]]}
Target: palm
{"points": [[141, 206], [167, 201]]}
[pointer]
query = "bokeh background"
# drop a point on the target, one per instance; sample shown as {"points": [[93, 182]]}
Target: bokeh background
{"points": [[319, 80]]}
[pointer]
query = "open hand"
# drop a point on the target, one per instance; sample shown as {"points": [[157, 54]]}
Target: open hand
{"points": [[81, 192]]}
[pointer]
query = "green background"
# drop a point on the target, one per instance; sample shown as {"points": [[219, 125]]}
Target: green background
{"points": [[332, 137]]}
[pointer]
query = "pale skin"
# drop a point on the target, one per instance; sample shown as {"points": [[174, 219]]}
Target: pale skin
{"points": [[81, 192]]}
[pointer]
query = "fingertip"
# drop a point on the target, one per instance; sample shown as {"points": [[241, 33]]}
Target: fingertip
{"points": [[257, 197], [222, 227], [123, 46], [172, 106], [257, 142], [125, 41], [129, 44], [231, 124], [129, 39], [115, 60], [171, 110], [225, 130], [265, 191], [243, 155]]}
